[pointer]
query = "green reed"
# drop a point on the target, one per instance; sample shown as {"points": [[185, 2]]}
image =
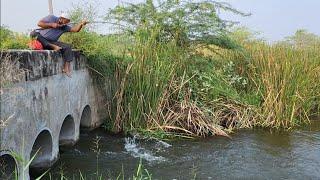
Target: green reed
{"points": [[285, 78]]}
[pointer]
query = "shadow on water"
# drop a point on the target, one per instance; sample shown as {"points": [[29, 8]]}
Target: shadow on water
{"points": [[250, 154]]}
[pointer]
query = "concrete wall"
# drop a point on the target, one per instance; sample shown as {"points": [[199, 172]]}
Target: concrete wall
{"points": [[45, 108]]}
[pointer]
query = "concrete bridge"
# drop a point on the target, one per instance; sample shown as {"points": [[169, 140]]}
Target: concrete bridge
{"points": [[44, 110]]}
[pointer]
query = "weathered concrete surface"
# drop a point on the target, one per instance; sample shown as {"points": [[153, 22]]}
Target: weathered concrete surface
{"points": [[45, 108]]}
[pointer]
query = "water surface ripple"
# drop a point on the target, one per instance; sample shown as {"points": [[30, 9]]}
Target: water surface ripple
{"points": [[250, 154]]}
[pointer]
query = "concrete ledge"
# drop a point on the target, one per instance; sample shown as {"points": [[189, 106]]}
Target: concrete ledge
{"points": [[44, 63]]}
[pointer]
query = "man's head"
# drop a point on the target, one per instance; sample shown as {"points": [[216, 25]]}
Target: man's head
{"points": [[64, 19]]}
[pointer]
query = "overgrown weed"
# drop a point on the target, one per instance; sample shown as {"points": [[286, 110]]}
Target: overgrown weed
{"points": [[10, 71]]}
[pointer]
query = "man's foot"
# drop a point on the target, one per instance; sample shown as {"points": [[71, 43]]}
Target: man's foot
{"points": [[66, 73], [55, 47]]}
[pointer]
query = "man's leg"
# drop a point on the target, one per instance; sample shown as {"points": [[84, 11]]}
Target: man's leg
{"points": [[45, 43], [67, 56]]}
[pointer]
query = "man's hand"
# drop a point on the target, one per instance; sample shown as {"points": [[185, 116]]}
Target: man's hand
{"points": [[84, 22], [78, 27]]}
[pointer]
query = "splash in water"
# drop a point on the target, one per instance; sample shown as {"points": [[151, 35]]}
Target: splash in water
{"points": [[164, 144], [135, 150]]}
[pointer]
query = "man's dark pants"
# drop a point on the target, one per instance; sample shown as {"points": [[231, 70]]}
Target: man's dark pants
{"points": [[66, 48]]}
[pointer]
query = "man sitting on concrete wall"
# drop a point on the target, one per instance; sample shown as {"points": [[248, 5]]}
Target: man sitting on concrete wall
{"points": [[52, 27]]}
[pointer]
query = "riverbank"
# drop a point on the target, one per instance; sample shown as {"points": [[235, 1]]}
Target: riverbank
{"points": [[163, 91], [171, 83]]}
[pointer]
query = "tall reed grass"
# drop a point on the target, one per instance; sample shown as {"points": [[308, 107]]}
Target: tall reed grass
{"points": [[162, 87], [289, 82], [286, 79]]}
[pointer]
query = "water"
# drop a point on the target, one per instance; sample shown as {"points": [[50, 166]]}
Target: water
{"points": [[250, 154]]}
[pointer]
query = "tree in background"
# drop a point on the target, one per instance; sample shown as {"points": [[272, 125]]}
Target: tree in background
{"points": [[188, 23], [303, 39], [244, 35]]}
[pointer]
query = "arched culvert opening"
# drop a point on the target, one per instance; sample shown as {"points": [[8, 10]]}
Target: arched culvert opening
{"points": [[86, 117], [67, 132], [8, 167], [41, 154]]}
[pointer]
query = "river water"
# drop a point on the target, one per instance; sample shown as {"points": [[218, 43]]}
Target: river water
{"points": [[249, 154]]}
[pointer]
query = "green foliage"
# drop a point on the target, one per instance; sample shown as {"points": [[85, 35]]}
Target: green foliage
{"points": [[164, 85], [280, 80], [164, 38], [153, 67], [5, 33], [244, 35], [83, 11], [141, 173], [11, 40], [102, 51], [288, 79], [284, 78], [209, 81], [186, 23]]}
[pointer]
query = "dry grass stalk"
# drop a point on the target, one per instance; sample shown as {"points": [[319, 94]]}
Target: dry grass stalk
{"points": [[233, 114], [188, 118], [119, 96], [183, 116], [9, 71]]}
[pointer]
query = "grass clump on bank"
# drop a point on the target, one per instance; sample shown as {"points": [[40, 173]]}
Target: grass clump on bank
{"points": [[183, 79], [284, 76], [152, 67], [154, 92], [288, 80]]}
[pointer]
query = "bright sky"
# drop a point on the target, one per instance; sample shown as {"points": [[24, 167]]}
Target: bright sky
{"points": [[276, 19]]}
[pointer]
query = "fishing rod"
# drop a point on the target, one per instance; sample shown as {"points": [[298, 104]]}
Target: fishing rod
{"points": [[120, 26], [98, 22]]}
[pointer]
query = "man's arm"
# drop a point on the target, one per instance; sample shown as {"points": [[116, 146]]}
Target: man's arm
{"points": [[48, 22], [78, 27], [46, 25]]}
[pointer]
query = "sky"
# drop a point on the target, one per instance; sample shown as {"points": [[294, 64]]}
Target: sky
{"points": [[274, 19]]}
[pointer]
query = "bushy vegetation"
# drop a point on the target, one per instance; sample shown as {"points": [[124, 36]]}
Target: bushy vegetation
{"points": [[179, 71], [284, 77], [11, 40], [173, 83], [155, 92]]}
